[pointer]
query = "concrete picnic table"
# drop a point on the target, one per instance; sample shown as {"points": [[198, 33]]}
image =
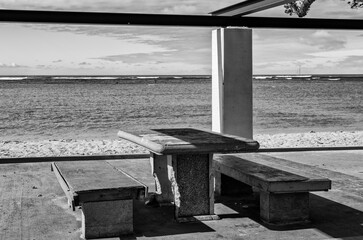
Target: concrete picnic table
{"points": [[182, 165]]}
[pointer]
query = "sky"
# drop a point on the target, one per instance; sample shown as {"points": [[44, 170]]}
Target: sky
{"points": [[57, 49]]}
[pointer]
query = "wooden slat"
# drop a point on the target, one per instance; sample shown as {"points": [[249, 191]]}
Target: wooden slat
{"points": [[259, 173], [92, 181]]}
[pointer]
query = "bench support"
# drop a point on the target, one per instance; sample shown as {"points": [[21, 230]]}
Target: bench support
{"points": [[107, 218], [284, 208]]}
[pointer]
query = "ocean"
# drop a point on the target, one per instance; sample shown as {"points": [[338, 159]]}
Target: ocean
{"points": [[96, 107]]}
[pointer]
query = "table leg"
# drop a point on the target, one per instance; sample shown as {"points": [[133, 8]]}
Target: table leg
{"points": [[163, 194], [192, 181]]}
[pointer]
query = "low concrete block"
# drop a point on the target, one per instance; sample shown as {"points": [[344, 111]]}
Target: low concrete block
{"points": [[107, 219], [284, 208]]}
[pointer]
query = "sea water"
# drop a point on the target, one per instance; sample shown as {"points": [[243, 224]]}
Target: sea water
{"points": [[89, 107]]}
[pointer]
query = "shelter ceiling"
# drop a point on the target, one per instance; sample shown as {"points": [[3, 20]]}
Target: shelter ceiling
{"points": [[192, 7], [337, 9]]}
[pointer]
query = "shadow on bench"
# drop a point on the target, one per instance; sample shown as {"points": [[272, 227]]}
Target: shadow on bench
{"points": [[283, 191], [104, 194]]}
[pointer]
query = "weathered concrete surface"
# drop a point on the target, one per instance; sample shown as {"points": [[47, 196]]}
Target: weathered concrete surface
{"points": [[107, 219], [33, 206], [284, 208], [348, 162]]}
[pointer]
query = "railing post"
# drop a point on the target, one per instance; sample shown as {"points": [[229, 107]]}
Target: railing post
{"points": [[232, 81]]}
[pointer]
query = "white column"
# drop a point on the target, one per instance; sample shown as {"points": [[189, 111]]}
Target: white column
{"points": [[232, 81]]}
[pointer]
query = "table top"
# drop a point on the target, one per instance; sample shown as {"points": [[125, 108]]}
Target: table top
{"points": [[190, 140]]}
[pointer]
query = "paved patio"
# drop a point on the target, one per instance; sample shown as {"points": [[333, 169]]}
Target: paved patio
{"points": [[33, 205]]}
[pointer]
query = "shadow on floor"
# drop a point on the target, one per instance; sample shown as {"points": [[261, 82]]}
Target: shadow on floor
{"points": [[327, 216], [335, 219], [152, 221]]}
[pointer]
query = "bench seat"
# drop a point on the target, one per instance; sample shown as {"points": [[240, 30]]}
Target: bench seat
{"points": [[104, 194], [284, 191]]}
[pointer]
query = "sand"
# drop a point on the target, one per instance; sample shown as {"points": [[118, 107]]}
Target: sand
{"points": [[73, 147], [311, 139]]}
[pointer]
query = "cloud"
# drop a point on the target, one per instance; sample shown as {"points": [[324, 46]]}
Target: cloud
{"points": [[168, 47], [133, 58], [324, 40], [11, 65], [338, 9], [352, 61], [165, 38], [64, 4], [155, 57], [43, 67], [180, 9], [134, 34], [340, 54], [334, 9], [339, 61]]}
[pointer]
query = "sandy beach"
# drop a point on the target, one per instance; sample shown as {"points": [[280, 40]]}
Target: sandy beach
{"points": [[73, 147]]}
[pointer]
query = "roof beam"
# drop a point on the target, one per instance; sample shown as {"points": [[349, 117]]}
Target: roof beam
{"points": [[248, 7], [95, 18], [65, 17]]}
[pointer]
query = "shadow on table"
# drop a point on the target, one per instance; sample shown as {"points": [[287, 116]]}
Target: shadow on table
{"points": [[208, 141]]}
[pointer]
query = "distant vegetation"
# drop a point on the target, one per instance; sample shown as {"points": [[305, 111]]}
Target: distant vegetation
{"points": [[301, 7]]}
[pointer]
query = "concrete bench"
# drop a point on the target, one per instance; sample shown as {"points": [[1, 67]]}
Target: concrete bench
{"points": [[104, 194], [283, 190]]}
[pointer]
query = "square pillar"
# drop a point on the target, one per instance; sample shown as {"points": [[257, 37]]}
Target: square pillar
{"points": [[192, 182], [284, 208], [232, 81]]}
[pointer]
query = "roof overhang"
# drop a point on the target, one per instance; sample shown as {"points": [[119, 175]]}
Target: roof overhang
{"points": [[248, 6], [27, 16]]}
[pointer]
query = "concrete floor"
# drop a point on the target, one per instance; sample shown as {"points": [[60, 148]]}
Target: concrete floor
{"points": [[33, 205]]}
